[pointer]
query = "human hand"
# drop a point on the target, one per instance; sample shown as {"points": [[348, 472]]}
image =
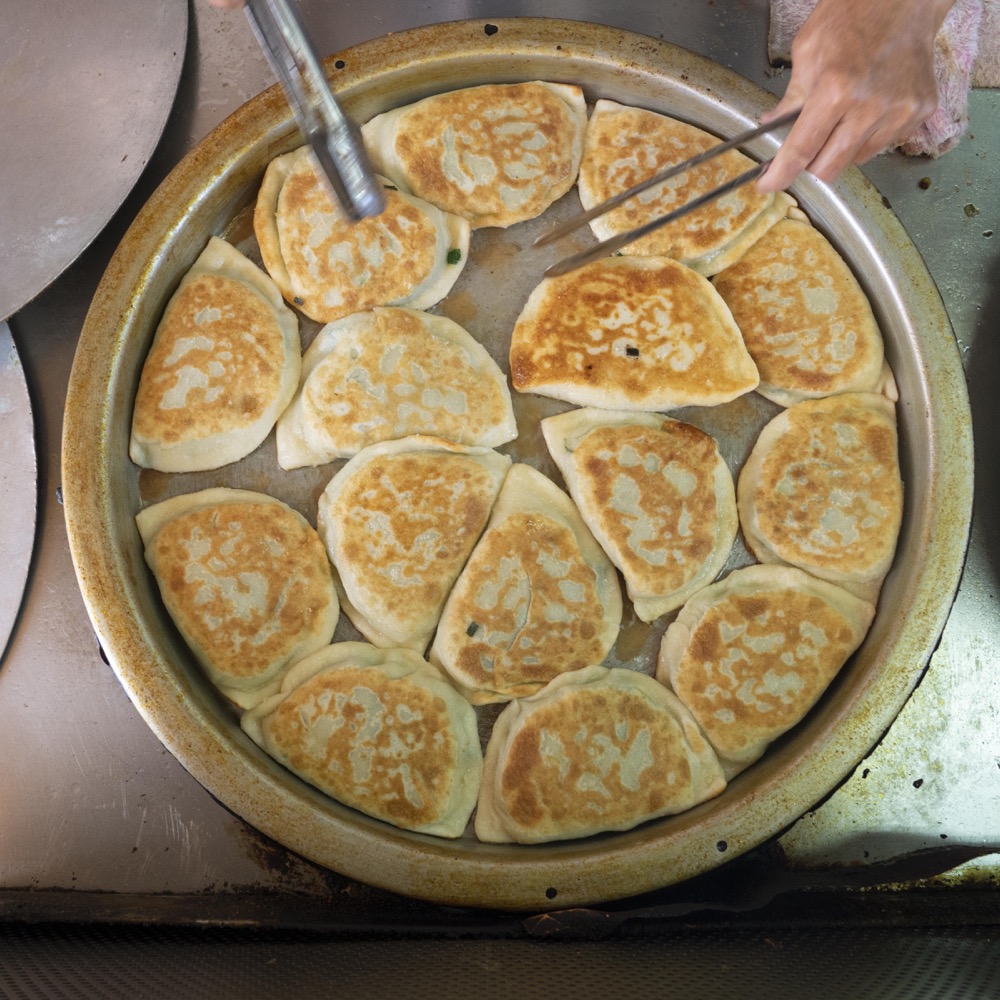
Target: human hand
{"points": [[863, 75]]}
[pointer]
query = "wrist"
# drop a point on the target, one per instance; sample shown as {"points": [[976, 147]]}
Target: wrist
{"points": [[930, 12]]}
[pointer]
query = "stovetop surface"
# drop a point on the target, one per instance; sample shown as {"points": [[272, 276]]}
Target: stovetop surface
{"points": [[96, 812]]}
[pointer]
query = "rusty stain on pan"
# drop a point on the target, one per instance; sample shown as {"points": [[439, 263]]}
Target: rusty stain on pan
{"points": [[102, 492]]}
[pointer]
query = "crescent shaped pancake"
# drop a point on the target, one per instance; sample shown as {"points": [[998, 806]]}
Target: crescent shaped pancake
{"points": [[399, 522], [657, 495], [750, 655], [596, 750], [630, 333], [378, 730], [223, 364], [624, 146], [391, 373], [821, 490], [246, 581], [329, 266], [538, 596], [804, 318], [495, 154]]}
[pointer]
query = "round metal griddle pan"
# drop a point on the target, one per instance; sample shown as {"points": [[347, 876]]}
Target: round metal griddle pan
{"points": [[209, 192]]}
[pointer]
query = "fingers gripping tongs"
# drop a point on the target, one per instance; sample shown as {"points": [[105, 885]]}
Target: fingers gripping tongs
{"points": [[615, 243], [334, 139]]}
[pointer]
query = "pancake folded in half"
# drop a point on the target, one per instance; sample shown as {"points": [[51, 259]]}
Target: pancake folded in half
{"points": [[399, 522], [538, 596], [595, 750], [495, 154], [821, 490], [630, 333], [246, 581], [378, 730], [328, 266], [805, 320], [656, 494], [391, 373], [625, 146], [223, 364], [750, 655]]}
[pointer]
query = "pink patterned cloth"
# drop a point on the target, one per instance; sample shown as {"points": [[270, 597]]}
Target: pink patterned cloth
{"points": [[986, 69], [967, 53]]}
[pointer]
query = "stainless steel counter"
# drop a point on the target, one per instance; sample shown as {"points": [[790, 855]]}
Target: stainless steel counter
{"points": [[91, 802]]}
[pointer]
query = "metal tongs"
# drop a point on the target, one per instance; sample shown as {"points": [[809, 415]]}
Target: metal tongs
{"points": [[615, 243], [335, 140]]}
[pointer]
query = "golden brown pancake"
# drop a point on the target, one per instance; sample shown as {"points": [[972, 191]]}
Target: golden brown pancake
{"points": [[804, 318], [389, 374], [538, 596], [247, 582], [657, 495], [224, 363], [624, 146], [380, 731], [328, 266], [821, 490], [595, 750], [399, 521], [630, 333], [495, 154], [750, 655]]}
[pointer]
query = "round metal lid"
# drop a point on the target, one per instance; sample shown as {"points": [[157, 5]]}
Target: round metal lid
{"points": [[84, 97], [18, 485]]}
